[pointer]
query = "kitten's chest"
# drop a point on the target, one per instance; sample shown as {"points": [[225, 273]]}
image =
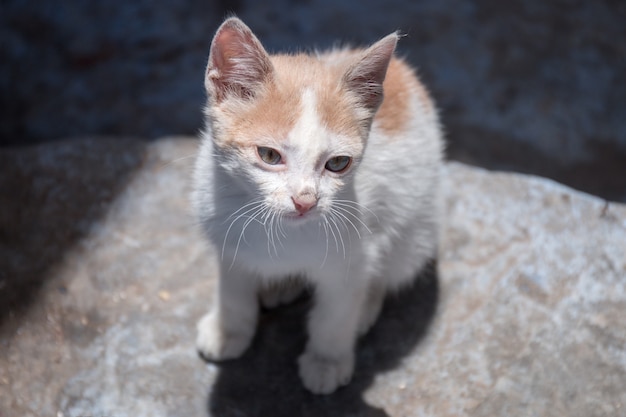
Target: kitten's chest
{"points": [[280, 250]]}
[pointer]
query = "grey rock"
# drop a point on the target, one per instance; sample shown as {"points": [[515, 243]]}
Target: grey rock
{"points": [[104, 273]]}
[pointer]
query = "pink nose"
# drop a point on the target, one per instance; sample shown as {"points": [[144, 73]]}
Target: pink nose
{"points": [[304, 203]]}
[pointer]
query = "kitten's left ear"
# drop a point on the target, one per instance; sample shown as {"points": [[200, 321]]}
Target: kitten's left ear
{"points": [[238, 64], [366, 76]]}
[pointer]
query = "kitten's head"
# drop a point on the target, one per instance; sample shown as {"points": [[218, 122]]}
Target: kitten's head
{"points": [[292, 129]]}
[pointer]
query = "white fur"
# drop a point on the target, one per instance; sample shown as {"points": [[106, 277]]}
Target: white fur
{"points": [[351, 257]]}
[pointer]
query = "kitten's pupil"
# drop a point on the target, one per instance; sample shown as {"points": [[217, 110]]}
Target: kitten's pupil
{"points": [[269, 155], [338, 163]]}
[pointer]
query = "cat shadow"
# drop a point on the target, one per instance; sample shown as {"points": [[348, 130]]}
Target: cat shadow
{"points": [[265, 381]]}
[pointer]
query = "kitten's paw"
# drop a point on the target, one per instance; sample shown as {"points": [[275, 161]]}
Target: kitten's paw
{"points": [[217, 344], [278, 294], [323, 375]]}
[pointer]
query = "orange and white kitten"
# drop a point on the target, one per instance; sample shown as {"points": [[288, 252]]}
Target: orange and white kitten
{"points": [[306, 170]]}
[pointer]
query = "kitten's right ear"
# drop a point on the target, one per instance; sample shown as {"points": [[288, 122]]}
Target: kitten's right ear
{"points": [[238, 64]]}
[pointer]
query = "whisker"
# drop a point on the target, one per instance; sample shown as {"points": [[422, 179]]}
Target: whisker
{"points": [[233, 223], [358, 206], [344, 221], [279, 228], [333, 222], [270, 234], [182, 158], [332, 232], [243, 207], [271, 242], [276, 220], [326, 232], [334, 210], [267, 228], [255, 218], [345, 209], [249, 220], [341, 210]]}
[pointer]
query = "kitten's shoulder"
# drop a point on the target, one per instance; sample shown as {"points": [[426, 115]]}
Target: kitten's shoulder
{"points": [[402, 92]]}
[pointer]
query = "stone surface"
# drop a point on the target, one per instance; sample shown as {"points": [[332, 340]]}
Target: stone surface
{"points": [[103, 275], [527, 85]]}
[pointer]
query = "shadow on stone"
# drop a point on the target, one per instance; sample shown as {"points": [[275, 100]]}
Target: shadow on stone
{"points": [[50, 197], [265, 381]]}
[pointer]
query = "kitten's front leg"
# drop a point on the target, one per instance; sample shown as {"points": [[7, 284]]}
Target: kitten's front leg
{"points": [[227, 330], [328, 361], [372, 307]]}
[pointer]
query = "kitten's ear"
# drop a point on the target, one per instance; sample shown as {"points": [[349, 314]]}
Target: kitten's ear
{"points": [[365, 77], [238, 64]]}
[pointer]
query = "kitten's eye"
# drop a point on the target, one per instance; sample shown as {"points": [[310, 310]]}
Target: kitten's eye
{"points": [[269, 155], [338, 163]]}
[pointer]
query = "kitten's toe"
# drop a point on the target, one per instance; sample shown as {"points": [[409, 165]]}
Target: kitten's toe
{"points": [[217, 344], [323, 375], [279, 294]]}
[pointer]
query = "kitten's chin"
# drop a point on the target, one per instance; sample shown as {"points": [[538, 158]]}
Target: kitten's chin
{"points": [[298, 219]]}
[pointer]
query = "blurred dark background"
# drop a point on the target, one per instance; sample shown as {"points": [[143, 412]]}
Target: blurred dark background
{"points": [[529, 86]]}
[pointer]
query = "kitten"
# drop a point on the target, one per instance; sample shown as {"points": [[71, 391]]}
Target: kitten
{"points": [[305, 170]]}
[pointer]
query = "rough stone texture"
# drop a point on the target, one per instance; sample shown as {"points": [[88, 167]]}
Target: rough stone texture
{"points": [[529, 85], [103, 275]]}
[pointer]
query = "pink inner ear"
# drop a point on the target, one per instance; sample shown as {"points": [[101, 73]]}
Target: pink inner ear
{"points": [[224, 40], [366, 77], [238, 64]]}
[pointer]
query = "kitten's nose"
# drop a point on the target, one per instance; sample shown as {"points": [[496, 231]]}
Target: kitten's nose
{"points": [[304, 202]]}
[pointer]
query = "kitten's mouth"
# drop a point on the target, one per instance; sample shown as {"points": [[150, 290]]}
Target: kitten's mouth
{"points": [[297, 217]]}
